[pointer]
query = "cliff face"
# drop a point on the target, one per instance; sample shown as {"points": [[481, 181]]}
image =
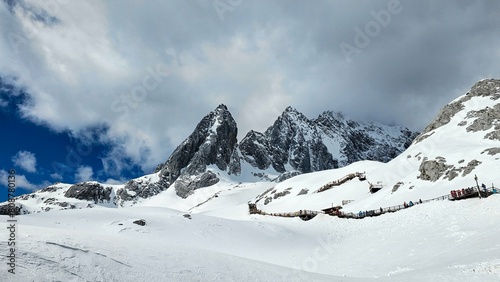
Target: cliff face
{"points": [[294, 144], [329, 141], [213, 142], [292, 140], [486, 117]]}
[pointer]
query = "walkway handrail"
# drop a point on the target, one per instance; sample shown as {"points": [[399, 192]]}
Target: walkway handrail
{"points": [[340, 181], [368, 213]]}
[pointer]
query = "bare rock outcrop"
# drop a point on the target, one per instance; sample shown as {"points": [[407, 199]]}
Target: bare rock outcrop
{"points": [[485, 118], [186, 184], [492, 151], [89, 191], [432, 170]]}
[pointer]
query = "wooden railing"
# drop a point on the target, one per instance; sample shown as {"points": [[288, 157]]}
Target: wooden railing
{"points": [[254, 210], [368, 213], [341, 181]]}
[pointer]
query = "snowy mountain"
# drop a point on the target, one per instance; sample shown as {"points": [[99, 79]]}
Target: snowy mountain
{"points": [[294, 142], [461, 143], [213, 142], [211, 234], [291, 146]]}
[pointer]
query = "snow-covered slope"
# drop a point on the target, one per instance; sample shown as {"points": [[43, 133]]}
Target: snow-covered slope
{"points": [[462, 142], [63, 196], [439, 241]]}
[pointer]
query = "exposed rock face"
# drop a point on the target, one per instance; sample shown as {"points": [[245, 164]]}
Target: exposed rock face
{"points": [[492, 151], [140, 222], [494, 135], [327, 142], [139, 188], [444, 116], [470, 167], [432, 170], [292, 145], [303, 192], [10, 210], [286, 175], [292, 139], [186, 184], [255, 149], [362, 141], [89, 191], [213, 142], [396, 186], [485, 118]]}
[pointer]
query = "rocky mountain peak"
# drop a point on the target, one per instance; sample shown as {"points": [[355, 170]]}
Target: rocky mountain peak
{"points": [[290, 110], [213, 142], [306, 145], [293, 145], [331, 119], [291, 113], [221, 107], [484, 88]]}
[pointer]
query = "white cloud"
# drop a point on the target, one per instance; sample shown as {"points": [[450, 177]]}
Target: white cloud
{"points": [[92, 65], [112, 181], [20, 180], [3, 103], [56, 176], [26, 160], [84, 173]]}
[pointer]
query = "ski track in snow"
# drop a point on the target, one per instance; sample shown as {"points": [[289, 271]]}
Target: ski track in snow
{"points": [[438, 241]]}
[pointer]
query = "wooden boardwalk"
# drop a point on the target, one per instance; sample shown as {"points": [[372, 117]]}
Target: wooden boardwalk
{"points": [[351, 176], [303, 214], [309, 214]]}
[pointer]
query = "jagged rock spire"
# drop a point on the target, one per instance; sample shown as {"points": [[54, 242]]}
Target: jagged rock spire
{"points": [[213, 142]]}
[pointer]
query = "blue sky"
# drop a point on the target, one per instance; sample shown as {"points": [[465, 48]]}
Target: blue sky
{"points": [[40, 156], [130, 79]]}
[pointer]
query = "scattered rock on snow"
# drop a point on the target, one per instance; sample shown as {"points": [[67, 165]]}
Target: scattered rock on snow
{"points": [[140, 222], [491, 151], [432, 170], [470, 167], [303, 192]]}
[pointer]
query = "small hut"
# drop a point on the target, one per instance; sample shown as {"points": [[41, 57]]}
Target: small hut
{"points": [[374, 188], [334, 211]]}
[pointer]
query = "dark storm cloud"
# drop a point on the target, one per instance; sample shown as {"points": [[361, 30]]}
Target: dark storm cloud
{"points": [[405, 60]]}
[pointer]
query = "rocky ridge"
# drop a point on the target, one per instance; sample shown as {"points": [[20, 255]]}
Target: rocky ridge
{"points": [[484, 119], [293, 145]]}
